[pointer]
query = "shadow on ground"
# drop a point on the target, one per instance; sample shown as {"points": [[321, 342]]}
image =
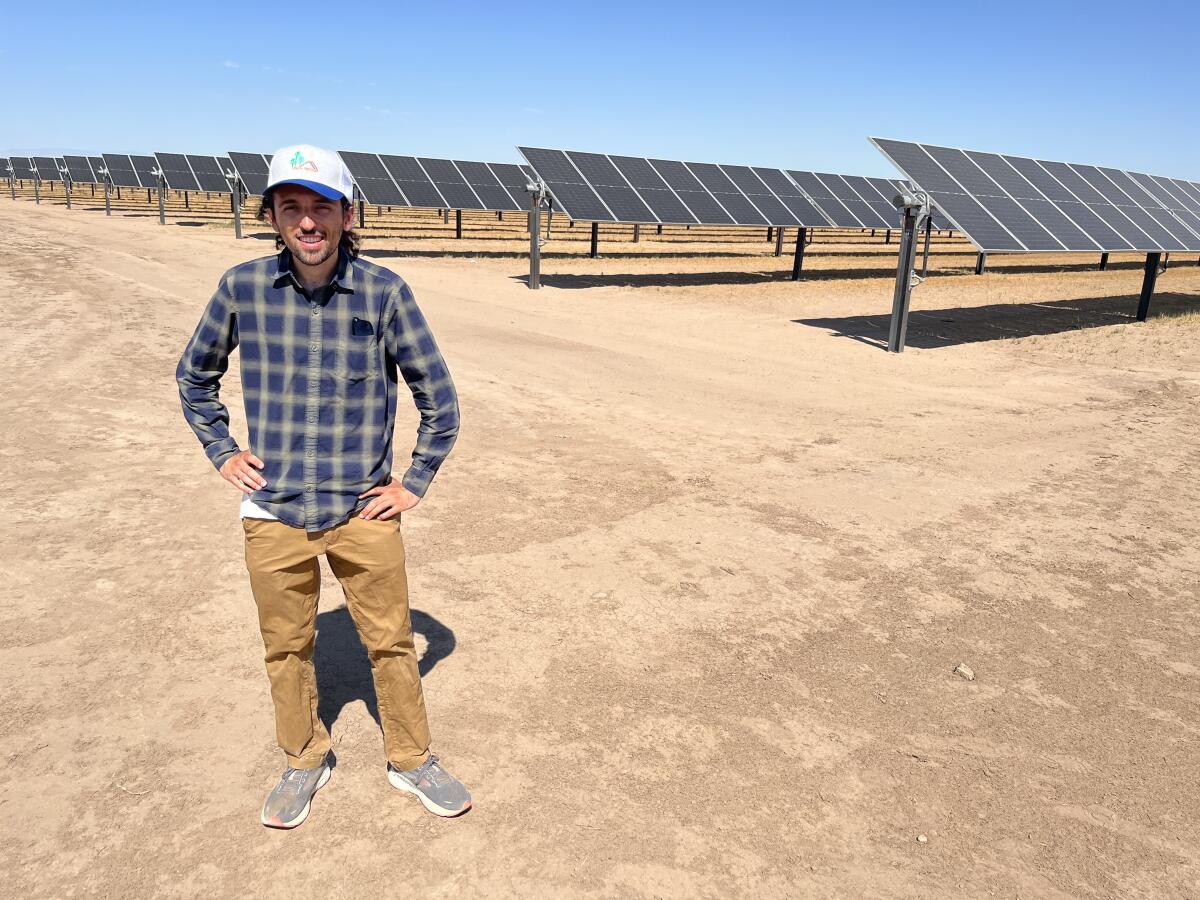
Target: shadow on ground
{"points": [[343, 670], [932, 328]]}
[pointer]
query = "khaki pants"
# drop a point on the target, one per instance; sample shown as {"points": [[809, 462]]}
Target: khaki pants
{"points": [[368, 559]]}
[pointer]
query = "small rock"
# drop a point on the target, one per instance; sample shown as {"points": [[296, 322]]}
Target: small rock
{"points": [[921, 839], [600, 595], [964, 672]]}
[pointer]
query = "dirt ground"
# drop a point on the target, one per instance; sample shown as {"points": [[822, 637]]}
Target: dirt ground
{"points": [[691, 588]]}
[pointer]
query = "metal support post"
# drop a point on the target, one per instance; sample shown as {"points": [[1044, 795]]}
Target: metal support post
{"points": [[1103, 261], [499, 216], [162, 200], [1152, 268], [445, 217], [925, 256], [595, 240], [779, 241], [458, 224], [362, 213], [980, 263], [637, 233], [107, 197], [904, 281], [37, 189], [798, 260], [887, 238], [535, 242], [660, 232], [12, 186], [149, 199], [67, 189], [235, 198], [187, 203], [770, 234]]}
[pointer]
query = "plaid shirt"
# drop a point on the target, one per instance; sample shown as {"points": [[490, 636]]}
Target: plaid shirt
{"points": [[319, 383]]}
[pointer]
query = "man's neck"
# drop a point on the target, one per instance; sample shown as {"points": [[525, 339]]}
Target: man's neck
{"points": [[313, 278]]}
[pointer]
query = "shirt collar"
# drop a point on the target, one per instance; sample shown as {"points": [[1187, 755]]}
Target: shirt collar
{"points": [[343, 275]]}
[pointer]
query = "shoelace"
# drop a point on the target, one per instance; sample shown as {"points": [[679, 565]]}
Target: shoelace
{"points": [[293, 780], [430, 770]]}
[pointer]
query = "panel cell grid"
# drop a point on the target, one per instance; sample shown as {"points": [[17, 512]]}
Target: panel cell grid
{"points": [[144, 167], [806, 213], [450, 183], [414, 182], [375, 185], [486, 185], [252, 170], [80, 170], [210, 174], [1074, 206], [120, 170], [176, 172], [46, 168]]}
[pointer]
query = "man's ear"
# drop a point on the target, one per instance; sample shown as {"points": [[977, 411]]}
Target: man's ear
{"points": [[271, 219], [348, 218]]}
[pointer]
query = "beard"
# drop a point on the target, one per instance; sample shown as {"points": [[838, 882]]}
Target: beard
{"points": [[311, 256]]}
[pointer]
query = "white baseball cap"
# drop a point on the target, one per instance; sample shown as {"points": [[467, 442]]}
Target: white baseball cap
{"points": [[312, 167]]}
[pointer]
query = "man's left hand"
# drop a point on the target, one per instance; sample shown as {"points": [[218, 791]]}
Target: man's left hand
{"points": [[390, 500]]}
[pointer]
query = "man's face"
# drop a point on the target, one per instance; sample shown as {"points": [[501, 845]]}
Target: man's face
{"points": [[311, 225]]}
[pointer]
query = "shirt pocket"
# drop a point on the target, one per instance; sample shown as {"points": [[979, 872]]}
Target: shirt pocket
{"points": [[358, 364]]}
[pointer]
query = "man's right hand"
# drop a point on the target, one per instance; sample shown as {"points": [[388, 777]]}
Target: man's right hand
{"points": [[239, 470]]}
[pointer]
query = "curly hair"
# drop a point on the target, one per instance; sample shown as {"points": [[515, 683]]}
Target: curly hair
{"points": [[351, 241]]}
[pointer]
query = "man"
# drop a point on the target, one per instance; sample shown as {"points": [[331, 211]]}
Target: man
{"points": [[322, 336]]}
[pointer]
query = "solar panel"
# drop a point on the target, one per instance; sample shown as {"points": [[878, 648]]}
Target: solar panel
{"points": [[46, 168], [145, 167], [375, 185], [177, 172], [450, 183], [4, 170], [487, 186], [22, 170], [1013, 203], [80, 170], [97, 165], [414, 182], [607, 188], [252, 169], [210, 173], [120, 170]]}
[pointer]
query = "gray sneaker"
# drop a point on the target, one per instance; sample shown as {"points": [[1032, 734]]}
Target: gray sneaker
{"points": [[287, 805], [440, 792]]}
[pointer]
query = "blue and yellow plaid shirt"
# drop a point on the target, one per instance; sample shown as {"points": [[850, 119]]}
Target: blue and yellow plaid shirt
{"points": [[319, 379]]}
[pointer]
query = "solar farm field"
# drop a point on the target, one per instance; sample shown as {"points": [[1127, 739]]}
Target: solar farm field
{"points": [[716, 598]]}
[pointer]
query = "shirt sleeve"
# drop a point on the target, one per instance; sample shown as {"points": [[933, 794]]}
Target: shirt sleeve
{"points": [[204, 361], [410, 343]]}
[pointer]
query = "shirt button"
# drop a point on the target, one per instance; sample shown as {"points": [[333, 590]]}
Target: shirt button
{"points": [[309, 453], [308, 488], [313, 347], [316, 311]]}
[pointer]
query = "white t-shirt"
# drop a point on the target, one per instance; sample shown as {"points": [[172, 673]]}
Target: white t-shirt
{"points": [[251, 510]]}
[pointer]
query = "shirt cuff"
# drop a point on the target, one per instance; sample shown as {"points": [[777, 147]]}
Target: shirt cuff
{"points": [[220, 451], [417, 479]]}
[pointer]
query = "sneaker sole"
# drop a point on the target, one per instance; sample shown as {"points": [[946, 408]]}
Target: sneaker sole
{"points": [[299, 820], [401, 785]]}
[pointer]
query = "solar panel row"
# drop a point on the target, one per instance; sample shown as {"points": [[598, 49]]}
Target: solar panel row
{"points": [[1012, 203], [599, 187], [46, 168], [427, 182], [21, 168], [80, 170]]}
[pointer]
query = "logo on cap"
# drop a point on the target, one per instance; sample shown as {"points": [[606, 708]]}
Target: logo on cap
{"points": [[299, 162]]}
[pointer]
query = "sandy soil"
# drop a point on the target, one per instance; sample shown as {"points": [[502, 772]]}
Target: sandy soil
{"points": [[691, 588]]}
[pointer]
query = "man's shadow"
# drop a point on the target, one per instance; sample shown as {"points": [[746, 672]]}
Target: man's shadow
{"points": [[343, 670]]}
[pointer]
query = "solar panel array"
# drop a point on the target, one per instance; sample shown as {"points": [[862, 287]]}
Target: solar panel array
{"points": [[432, 183], [251, 169], [145, 167], [80, 170], [1012, 203], [209, 172], [46, 168], [599, 187], [97, 167], [120, 170], [177, 172]]}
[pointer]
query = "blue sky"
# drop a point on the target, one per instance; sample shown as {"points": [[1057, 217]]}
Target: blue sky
{"points": [[758, 83]]}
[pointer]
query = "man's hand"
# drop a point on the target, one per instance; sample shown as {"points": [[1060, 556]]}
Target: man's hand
{"points": [[390, 499], [238, 470]]}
